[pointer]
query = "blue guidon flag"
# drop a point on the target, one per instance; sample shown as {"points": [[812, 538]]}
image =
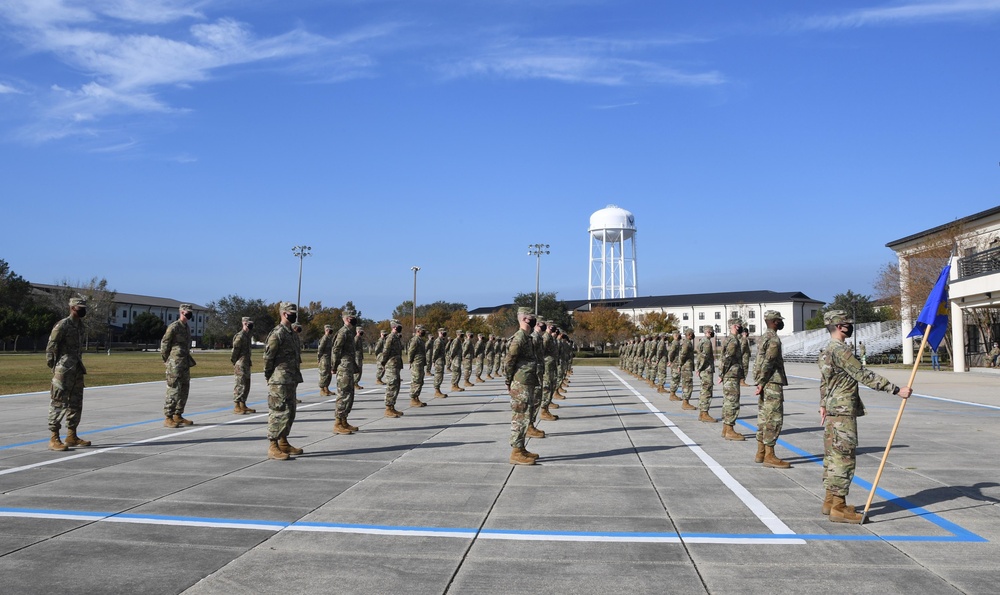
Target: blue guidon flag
{"points": [[935, 312]]}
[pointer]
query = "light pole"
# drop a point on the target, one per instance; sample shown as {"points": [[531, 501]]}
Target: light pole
{"points": [[414, 269], [301, 252], [537, 250]]}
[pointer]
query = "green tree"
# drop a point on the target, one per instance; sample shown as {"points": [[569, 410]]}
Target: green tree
{"points": [[549, 308], [503, 322], [100, 302], [857, 305], [658, 322], [146, 328], [602, 326], [225, 318]]}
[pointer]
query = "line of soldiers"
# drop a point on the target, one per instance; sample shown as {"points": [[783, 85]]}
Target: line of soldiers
{"points": [[648, 358]]}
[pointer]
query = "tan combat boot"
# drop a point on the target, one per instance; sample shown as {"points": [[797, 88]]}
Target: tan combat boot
{"points": [[348, 425], [730, 434], [73, 440], [517, 458], [687, 406], [416, 402], [674, 397], [358, 386], [468, 384], [840, 512], [340, 428], [546, 415], [324, 391], [759, 458], [553, 405], [247, 409], [56, 444], [534, 432], [439, 395], [170, 423], [181, 421], [479, 379], [661, 390], [828, 503], [489, 376], [531, 455], [390, 412], [237, 409], [770, 460], [705, 417], [274, 452], [456, 389], [287, 448], [379, 381]]}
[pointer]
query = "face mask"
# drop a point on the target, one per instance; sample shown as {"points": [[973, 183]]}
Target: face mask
{"points": [[849, 331], [353, 321], [532, 322], [780, 325], [81, 312], [292, 316], [249, 325], [188, 315]]}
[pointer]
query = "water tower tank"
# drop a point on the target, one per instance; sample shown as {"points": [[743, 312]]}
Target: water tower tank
{"points": [[612, 224]]}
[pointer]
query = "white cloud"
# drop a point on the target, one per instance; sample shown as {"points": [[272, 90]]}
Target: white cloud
{"points": [[4, 88], [912, 12], [579, 60]]}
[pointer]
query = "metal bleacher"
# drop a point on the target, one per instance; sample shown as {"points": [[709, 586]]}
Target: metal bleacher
{"points": [[878, 337]]}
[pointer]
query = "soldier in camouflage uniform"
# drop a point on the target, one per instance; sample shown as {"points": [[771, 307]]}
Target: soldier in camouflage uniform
{"points": [[840, 406], [282, 357], [241, 367], [685, 361], [769, 374], [745, 348], [416, 353], [297, 331], [392, 360], [468, 350], [359, 356], [730, 374], [521, 375], [675, 368], [63, 355], [706, 372], [436, 353], [455, 358], [550, 354], [175, 349], [660, 357], [323, 359], [489, 355], [344, 361], [379, 366], [478, 355]]}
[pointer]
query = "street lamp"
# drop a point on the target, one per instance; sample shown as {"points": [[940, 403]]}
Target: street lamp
{"points": [[301, 252], [537, 250], [414, 269]]}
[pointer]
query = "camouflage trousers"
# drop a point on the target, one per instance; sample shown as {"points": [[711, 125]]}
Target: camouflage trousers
{"points": [[705, 396], [479, 367], [770, 413], [675, 379], [280, 410], [456, 371], [466, 368], [687, 383], [380, 371], [549, 383], [357, 374], [241, 383], [661, 372], [178, 387], [840, 443], [438, 374], [536, 403], [345, 392], [730, 400], [521, 397], [416, 379], [66, 403], [392, 382], [325, 375]]}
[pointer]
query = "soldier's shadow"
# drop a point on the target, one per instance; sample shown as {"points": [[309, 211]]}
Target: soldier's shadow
{"points": [[392, 448], [935, 495], [607, 453]]}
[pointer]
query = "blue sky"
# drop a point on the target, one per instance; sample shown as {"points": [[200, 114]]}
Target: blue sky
{"points": [[182, 147]]}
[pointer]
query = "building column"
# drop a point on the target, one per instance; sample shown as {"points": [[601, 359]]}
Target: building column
{"points": [[905, 313], [957, 325]]}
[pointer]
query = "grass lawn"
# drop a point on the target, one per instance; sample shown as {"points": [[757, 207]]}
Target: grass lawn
{"points": [[27, 372]]}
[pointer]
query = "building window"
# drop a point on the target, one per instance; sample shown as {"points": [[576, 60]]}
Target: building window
{"points": [[753, 328], [812, 313], [717, 329], [718, 315], [685, 317], [199, 318], [751, 314], [124, 313], [701, 316]]}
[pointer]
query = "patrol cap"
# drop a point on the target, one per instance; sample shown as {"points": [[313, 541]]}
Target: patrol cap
{"points": [[459, 332], [442, 330], [285, 307], [420, 327], [772, 315], [348, 312], [524, 310], [327, 327], [735, 322], [707, 328], [837, 317], [393, 323], [246, 319], [186, 307], [385, 332], [78, 301]]}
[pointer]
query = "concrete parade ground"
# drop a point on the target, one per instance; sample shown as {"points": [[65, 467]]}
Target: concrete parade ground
{"points": [[630, 495]]}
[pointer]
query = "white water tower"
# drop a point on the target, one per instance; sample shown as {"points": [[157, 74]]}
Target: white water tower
{"points": [[612, 254]]}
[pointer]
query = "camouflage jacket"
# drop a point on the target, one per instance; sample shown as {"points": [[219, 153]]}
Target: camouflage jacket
{"points": [[706, 355], [491, 345], [435, 349], [241, 349], [343, 350], [769, 367], [416, 351], [732, 358], [325, 347], [63, 351], [745, 348], [685, 354], [537, 341], [672, 350], [359, 351], [480, 348], [380, 344], [455, 349], [550, 349], [175, 347], [520, 364], [281, 356], [392, 351], [840, 373], [468, 348]]}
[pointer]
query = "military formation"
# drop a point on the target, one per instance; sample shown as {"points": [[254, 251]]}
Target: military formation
{"points": [[535, 363]]}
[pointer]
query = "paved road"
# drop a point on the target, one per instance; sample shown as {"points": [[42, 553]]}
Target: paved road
{"points": [[632, 494]]}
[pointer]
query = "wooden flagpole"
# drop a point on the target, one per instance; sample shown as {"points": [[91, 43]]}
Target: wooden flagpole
{"points": [[895, 426]]}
